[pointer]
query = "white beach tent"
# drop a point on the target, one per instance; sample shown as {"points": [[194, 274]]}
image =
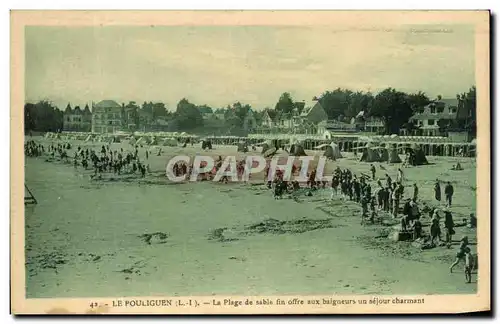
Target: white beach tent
{"points": [[169, 142]]}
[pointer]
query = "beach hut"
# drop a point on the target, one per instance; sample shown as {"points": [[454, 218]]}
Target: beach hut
{"points": [[393, 156], [266, 146], [384, 154], [270, 152], [153, 141], [297, 148], [370, 154], [417, 155], [141, 141], [332, 151], [206, 144], [242, 147], [169, 141]]}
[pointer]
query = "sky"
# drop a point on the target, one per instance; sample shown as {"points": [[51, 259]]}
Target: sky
{"points": [[219, 65]]}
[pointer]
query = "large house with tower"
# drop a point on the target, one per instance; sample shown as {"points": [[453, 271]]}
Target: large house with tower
{"points": [[77, 120]]}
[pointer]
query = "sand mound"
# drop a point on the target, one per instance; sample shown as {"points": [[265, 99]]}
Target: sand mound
{"points": [[218, 235], [274, 226], [156, 238]]}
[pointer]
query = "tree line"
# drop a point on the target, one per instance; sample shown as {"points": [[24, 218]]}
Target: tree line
{"points": [[392, 106]]}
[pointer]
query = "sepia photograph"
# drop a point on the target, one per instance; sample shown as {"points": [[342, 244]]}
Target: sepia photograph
{"points": [[253, 162]]}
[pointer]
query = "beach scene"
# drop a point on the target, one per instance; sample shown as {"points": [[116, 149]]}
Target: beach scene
{"points": [[385, 117]]}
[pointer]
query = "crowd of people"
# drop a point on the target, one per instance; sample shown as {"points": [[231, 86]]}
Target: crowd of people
{"points": [[105, 160], [389, 197], [376, 196]]}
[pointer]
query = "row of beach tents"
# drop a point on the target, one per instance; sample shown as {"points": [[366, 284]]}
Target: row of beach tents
{"points": [[371, 152]]}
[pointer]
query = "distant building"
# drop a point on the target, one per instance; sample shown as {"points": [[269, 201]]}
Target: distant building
{"points": [[300, 120], [130, 118], [369, 124], [427, 120], [268, 118], [160, 124], [219, 114], [374, 125], [206, 112], [249, 122], [77, 120], [107, 117], [315, 113], [335, 126], [145, 119]]}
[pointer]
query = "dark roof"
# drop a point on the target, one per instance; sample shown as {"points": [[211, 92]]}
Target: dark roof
{"points": [[77, 110], [317, 113], [444, 103], [283, 116], [205, 110], [86, 110], [107, 104], [144, 113], [272, 114]]}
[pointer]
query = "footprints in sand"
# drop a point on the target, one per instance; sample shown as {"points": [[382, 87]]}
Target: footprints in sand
{"points": [[57, 259]]}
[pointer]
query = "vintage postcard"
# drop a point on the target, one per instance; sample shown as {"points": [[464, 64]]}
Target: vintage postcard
{"points": [[250, 162]]}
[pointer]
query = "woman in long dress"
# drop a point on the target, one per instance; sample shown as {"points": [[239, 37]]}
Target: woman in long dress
{"points": [[437, 190], [400, 177]]}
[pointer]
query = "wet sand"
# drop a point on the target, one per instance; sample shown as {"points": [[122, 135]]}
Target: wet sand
{"points": [[151, 237]]}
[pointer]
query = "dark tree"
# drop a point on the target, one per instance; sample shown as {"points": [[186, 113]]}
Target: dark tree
{"points": [[418, 101], [42, 117], [187, 115], [159, 110], [444, 125], [285, 103], [467, 110]]}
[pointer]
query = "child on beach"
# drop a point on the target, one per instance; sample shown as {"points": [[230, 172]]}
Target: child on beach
{"points": [[468, 265], [335, 185], [464, 242]]}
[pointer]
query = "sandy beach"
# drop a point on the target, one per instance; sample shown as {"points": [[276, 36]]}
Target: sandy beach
{"points": [[127, 236]]}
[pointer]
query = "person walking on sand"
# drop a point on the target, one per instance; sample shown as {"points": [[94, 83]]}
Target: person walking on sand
{"points": [[415, 192], [364, 207], [435, 231], [395, 202], [388, 199], [464, 243], [335, 185], [373, 170], [468, 265], [448, 192], [380, 196], [400, 176], [388, 180], [448, 225], [437, 190]]}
